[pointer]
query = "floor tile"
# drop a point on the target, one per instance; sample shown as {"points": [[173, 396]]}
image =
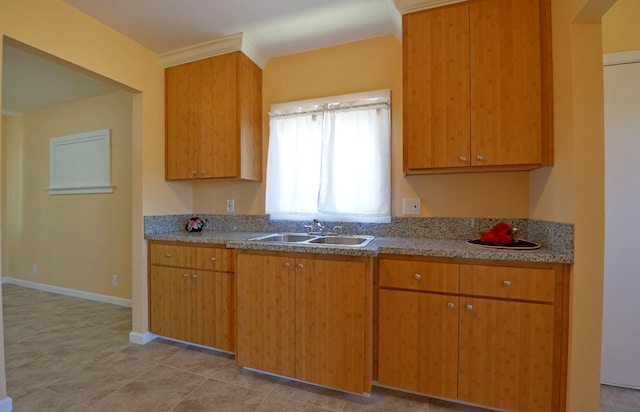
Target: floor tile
{"points": [[221, 397]]}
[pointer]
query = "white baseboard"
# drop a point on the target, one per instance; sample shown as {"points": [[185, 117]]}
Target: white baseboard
{"points": [[141, 338], [6, 405], [68, 292]]}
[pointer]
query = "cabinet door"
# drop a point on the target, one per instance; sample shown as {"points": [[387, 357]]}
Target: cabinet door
{"points": [[330, 323], [506, 105], [506, 354], [218, 149], [266, 313], [212, 305], [436, 88], [182, 121], [418, 342], [169, 308]]}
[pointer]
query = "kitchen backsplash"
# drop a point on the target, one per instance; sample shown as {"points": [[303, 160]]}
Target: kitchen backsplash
{"points": [[556, 236]]}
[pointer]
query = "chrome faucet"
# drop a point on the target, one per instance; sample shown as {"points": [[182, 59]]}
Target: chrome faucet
{"points": [[322, 229]]}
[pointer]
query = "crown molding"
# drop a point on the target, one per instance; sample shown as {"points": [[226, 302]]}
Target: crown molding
{"points": [[410, 6], [215, 47]]}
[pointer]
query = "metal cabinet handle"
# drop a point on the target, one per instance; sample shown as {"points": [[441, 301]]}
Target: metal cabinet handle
{"points": [[186, 275], [469, 307], [213, 260], [417, 276], [193, 172], [168, 255], [506, 283], [480, 157], [451, 305], [287, 265], [300, 266], [203, 172], [463, 158], [194, 276]]}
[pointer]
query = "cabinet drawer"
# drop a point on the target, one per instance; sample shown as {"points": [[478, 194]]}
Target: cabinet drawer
{"points": [[508, 282], [197, 257], [417, 275]]}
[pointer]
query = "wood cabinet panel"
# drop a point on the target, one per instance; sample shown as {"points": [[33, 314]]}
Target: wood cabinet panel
{"points": [[506, 105], [418, 275], [196, 257], [266, 313], [212, 305], [436, 88], [508, 282], [219, 143], [506, 354], [418, 345], [168, 307], [330, 323]]}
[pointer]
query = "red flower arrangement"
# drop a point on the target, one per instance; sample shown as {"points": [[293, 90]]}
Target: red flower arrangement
{"points": [[500, 234]]}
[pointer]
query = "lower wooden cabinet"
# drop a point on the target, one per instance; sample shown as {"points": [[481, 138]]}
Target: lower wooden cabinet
{"points": [[418, 342], [194, 302], [497, 338], [506, 354], [306, 317]]}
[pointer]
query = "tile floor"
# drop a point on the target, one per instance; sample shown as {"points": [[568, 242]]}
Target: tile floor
{"points": [[69, 354]]}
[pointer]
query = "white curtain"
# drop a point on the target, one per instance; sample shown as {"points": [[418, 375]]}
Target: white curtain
{"points": [[330, 162]]}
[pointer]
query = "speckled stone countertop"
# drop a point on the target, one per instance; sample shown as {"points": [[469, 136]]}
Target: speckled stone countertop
{"points": [[414, 246]]}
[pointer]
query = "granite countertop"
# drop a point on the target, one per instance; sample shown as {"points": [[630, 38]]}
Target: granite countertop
{"points": [[450, 248]]}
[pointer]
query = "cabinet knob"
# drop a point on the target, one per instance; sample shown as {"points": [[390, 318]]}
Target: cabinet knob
{"points": [[287, 265], [506, 283], [469, 308], [300, 266], [417, 276], [168, 255], [451, 305], [463, 158], [194, 276], [213, 260], [480, 157], [186, 275], [203, 172], [193, 172]]}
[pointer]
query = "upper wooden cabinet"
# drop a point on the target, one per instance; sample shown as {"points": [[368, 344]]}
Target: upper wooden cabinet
{"points": [[477, 87], [213, 119]]}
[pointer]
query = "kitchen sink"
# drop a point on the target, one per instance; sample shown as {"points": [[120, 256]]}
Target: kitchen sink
{"points": [[342, 240], [285, 237], [315, 240]]}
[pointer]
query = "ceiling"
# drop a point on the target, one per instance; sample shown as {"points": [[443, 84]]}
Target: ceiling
{"points": [[274, 28]]}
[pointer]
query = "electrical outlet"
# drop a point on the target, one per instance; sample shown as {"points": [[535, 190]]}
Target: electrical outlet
{"points": [[34, 268], [411, 206], [231, 205], [114, 281]]}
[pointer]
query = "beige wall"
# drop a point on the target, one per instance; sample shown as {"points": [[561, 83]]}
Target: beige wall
{"points": [[355, 67], [76, 241], [620, 28]]}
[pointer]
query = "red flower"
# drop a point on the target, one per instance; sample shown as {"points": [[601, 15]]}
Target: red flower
{"points": [[499, 234]]}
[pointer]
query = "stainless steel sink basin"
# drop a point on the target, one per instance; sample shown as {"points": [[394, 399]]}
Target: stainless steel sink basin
{"points": [[285, 237], [342, 240], [315, 240]]}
